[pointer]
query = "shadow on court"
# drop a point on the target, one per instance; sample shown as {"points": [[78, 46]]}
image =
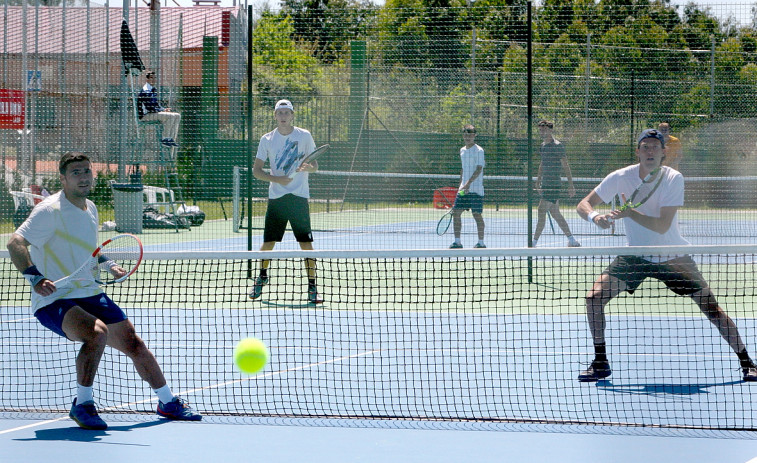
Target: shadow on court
{"points": [[77, 434], [659, 389]]}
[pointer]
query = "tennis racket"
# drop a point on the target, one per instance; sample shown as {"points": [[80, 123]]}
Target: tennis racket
{"points": [[113, 262], [314, 155], [644, 191], [551, 225], [444, 223]]}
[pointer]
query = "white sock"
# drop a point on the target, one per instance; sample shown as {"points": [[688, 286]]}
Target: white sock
{"points": [[534, 242], [457, 241], [480, 241], [164, 394], [83, 394]]}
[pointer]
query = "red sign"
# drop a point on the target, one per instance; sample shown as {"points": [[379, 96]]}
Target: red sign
{"points": [[12, 109]]}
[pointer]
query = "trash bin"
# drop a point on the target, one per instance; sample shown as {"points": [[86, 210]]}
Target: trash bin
{"points": [[444, 198], [127, 202]]}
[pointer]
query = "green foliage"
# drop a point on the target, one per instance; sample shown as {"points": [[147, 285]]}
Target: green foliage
{"points": [[281, 65], [329, 25]]}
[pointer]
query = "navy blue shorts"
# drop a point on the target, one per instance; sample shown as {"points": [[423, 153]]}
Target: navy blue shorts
{"points": [[471, 201], [100, 306], [292, 209]]}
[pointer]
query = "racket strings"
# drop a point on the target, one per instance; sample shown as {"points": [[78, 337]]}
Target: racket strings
{"points": [[123, 253]]}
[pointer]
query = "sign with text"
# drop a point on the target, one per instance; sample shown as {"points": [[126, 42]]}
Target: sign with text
{"points": [[12, 109]]}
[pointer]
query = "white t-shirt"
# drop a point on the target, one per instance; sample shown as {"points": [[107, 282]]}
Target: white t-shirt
{"points": [[62, 237], [283, 154], [669, 193], [471, 158]]}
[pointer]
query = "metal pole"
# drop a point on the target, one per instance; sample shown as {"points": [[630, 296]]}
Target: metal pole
{"points": [[588, 84], [712, 77], [24, 161], [250, 148], [123, 102], [529, 135], [472, 69], [155, 41]]}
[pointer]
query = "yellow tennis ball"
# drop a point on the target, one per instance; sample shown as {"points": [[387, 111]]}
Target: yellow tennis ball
{"points": [[251, 355]]}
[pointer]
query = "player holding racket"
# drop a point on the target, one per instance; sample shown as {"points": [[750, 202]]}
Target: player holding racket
{"points": [[470, 195], [284, 148], [651, 219], [62, 234]]}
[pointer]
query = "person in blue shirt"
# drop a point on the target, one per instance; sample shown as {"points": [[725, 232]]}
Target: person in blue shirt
{"points": [[150, 109]]}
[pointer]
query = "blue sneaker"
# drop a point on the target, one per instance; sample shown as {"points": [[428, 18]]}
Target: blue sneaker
{"points": [[85, 415], [257, 289], [170, 142], [313, 296], [178, 409], [456, 245]]}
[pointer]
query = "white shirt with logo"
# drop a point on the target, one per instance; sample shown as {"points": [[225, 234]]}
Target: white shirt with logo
{"points": [[284, 154], [670, 193]]}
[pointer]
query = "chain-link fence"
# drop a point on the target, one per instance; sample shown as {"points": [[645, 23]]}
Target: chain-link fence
{"points": [[390, 90]]}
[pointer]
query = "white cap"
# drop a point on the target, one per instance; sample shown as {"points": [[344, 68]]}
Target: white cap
{"points": [[283, 104]]}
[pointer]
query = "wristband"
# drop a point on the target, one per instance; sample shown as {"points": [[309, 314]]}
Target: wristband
{"points": [[108, 263], [591, 216], [33, 275]]}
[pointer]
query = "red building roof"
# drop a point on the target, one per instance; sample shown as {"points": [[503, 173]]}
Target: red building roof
{"points": [[98, 30]]}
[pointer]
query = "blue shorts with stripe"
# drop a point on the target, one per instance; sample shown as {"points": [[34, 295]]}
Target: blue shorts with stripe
{"points": [[99, 306]]}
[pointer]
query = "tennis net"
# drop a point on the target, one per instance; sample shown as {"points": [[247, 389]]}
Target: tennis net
{"points": [[491, 335], [381, 207]]}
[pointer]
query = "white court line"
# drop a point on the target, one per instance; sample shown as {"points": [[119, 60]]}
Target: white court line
{"points": [[213, 386]]}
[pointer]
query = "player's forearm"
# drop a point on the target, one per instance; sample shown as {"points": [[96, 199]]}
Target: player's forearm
{"points": [[262, 175], [584, 208], [656, 224], [19, 252]]}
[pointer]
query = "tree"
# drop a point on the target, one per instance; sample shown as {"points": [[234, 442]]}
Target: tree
{"points": [[329, 25], [280, 66]]}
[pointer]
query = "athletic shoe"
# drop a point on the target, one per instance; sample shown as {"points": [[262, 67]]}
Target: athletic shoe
{"points": [[480, 246], [572, 243], [455, 246], [85, 415], [596, 371], [750, 372], [257, 288], [313, 296], [178, 409], [170, 142]]}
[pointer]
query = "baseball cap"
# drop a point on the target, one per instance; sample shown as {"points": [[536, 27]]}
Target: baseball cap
{"points": [[651, 133], [283, 104]]}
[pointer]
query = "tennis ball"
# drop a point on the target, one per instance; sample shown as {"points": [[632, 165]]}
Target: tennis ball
{"points": [[251, 355], [461, 193]]}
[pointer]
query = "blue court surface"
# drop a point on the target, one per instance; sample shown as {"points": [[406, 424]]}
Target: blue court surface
{"points": [[515, 359], [146, 439]]}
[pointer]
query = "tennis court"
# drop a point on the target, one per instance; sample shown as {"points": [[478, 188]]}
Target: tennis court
{"points": [[421, 342]]}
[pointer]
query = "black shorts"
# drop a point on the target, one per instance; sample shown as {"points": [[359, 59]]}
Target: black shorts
{"points": [[288, 209], [551, 194], [680, 275], [472, 201]]}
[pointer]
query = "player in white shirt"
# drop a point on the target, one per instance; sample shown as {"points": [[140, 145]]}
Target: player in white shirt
{"points": [[653, 223], [62, 233], [284, 148], [470, 194]]}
